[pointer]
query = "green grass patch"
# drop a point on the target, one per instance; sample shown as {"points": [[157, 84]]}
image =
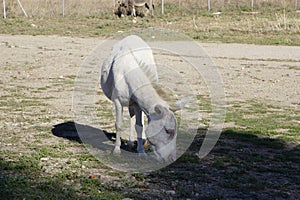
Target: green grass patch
{"points": [[263, 119], [252, 138]]}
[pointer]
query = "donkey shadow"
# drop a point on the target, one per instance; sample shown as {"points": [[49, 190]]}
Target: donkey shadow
{"points": [[86, 134]]}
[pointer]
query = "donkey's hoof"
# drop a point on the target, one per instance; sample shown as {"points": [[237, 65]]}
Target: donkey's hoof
{"points": [[116, 151], [143, 155], [130, 144]]}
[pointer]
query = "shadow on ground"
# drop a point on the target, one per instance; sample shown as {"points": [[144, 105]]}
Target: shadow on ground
{"points": [[69, 130], [90, 135], [241, 166]]}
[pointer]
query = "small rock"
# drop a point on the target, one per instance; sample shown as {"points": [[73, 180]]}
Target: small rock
{"points": [[217, 13], [44, 159], [171, 192], [92, 177], [173, 185]]}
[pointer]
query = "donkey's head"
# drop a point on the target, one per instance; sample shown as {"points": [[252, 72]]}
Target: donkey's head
{"points": [[162, 132]]}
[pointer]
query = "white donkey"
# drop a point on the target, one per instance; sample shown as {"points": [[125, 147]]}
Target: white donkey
{"points": [[126, 79]]}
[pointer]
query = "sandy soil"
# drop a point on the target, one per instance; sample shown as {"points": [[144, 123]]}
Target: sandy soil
{"points": [[248, 71], [270, 73]]}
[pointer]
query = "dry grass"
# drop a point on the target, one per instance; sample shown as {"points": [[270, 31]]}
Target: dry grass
{"points": [[48, 8], [269, 22]]}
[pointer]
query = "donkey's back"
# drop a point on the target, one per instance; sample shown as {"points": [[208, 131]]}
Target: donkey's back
{"points": [[130, 65]]}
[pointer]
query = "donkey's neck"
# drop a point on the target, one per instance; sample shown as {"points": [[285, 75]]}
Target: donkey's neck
{"points": [[146, 97]]}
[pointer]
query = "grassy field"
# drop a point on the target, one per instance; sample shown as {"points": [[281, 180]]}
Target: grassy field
{"points": [[270, 24], [256, 159], [257, 156], [42, 157]]}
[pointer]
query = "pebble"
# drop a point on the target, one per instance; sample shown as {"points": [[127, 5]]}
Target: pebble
{"points": [[171, 192], [44, 159]]}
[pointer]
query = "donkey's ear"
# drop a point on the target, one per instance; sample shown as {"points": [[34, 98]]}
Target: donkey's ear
{"points": [[178, 105], [170, 132], [159, 110]]}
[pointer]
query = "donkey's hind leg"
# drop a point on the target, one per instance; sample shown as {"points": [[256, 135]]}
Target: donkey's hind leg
{"points": [[119, 126], [130, 143]]}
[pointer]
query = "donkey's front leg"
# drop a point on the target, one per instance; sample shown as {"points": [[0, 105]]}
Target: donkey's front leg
{"points": [[139, 130], [132, 122], [118, 125]]}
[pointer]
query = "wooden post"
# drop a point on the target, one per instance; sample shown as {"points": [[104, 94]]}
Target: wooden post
{"points": [[252, 5], [4, 10], [208, 5]]}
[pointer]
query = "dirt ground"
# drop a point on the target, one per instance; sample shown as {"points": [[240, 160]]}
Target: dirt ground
{"points": [[41, 70], [248, 71], [28, 63]]}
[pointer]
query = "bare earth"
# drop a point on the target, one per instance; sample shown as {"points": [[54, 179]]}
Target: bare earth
{"points": [[41, 70], [248, 71]]}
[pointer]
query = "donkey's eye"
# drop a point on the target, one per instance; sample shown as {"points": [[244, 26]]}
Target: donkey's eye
{"points": [[170, 132]]}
